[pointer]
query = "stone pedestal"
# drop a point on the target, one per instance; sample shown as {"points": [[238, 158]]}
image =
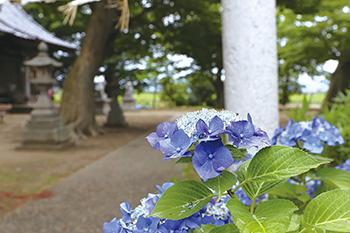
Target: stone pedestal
{"points": [[45, 130]]}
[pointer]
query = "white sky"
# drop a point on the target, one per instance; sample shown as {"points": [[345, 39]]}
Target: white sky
{"points": [[318, 83]]}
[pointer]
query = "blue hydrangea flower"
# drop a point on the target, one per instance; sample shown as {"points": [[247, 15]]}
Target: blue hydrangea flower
{"points": [[205, 132], [176, 146], [276, 134], [164, 131], [172, 226], [126, 210], [192, 222], [245, 134], [311, 141], [164, 187], [144, 225], [327, 132], [311, 186], [344, 166], [150, 202], [311, 133], [211, 158], [115, 226]]}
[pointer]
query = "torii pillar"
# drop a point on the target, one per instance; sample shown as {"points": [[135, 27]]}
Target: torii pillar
{"points": [[250, 60]]}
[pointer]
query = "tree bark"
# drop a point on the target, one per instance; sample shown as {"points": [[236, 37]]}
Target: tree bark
{"points": [[78, 104], [339, 82]]}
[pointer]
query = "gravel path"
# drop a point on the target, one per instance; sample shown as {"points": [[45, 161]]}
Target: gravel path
{"points": [[84, 201]]}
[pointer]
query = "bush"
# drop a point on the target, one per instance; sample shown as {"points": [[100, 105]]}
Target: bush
{"points": [[338, 114]]}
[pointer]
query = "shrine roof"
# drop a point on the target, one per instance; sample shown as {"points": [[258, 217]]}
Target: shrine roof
{"points": [[14, 20]]}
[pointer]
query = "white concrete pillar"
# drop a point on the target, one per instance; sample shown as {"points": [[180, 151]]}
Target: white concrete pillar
{"points": [[250, 60]]}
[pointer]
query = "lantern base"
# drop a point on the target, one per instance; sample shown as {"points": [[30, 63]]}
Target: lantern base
{"points": [[45, 129]]}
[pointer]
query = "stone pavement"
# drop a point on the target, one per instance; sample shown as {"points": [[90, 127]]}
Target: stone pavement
{"points": [[84, 201]]}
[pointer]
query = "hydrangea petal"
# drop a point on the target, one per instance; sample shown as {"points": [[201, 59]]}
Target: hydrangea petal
{"points": [[206, 170], [216, 126], [153, 140], [222, 159], [166, 129]]}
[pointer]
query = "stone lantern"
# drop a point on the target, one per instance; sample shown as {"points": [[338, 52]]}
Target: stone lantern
{"points": [[45, 128], [128, 99]]}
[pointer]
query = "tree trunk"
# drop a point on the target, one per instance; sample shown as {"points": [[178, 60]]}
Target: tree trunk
{"points": [[78, 104], [219, 89], [339, 82]]}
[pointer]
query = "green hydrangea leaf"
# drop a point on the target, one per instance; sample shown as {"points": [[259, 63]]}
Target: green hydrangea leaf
{"points": [[329, 211], [255, 189], [321, 158], [291, 191], [222, 183], [294, 224], [225, 229], [237, 153], [184, 160], [333, 178], [182, 200], [279, 163], [272, 216], [214, 229]]}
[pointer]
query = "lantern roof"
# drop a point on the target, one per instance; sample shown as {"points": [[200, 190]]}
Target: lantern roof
{"points": [[43, 58]]}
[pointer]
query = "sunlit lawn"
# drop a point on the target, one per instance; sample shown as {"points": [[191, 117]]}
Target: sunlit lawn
{"points": [[316, 98]]}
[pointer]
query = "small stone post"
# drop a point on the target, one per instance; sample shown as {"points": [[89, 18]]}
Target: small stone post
{"points": [[250, 60], [45, 128]]}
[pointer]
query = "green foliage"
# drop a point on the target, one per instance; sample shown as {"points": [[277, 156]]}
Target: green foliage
{"points": [[174, 91], [300, 114], [278, 163], [270, 216], [214, 229], [270, 167], [221, 183], [237, 153], [338, 114], [255, 189], [309, 34], [182, 200], [333, 178], [291, 192], [330, 211]]}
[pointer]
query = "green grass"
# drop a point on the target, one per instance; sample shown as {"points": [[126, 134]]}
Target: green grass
{"points": [[316, 98], [147, 98]]}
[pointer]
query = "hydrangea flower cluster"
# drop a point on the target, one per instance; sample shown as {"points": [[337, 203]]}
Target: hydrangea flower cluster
{"points": [[137, 220], [202, 130], [311, 133], [344, 166], [200, 137]]}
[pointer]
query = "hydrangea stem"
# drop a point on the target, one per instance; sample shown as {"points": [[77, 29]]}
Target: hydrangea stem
{"points": [[253, 205], [305, 229], [238, 186]]}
